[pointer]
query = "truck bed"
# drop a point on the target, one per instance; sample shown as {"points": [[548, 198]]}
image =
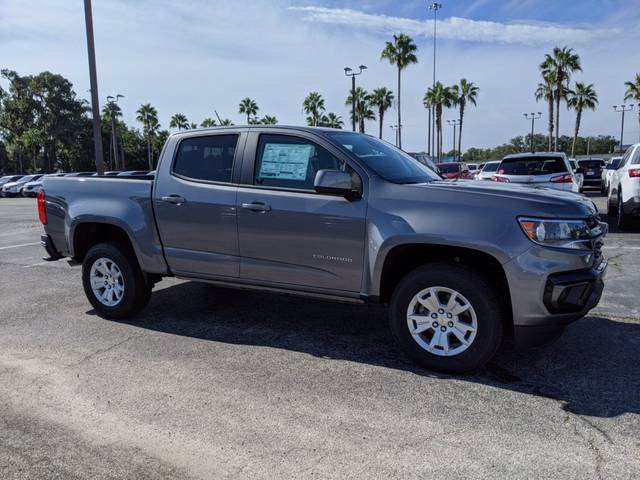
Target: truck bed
{"points": [[123, 202]]}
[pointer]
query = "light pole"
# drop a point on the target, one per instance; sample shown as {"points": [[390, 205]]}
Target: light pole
{"points": [[435, 7], [114, 138], [95, 103], [427, 105], [533, 117], [454, 124], [622, 108], [349, 72], [396, 130]]}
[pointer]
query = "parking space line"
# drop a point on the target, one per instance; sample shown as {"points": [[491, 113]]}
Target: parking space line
{"points": [[36, 264], [20, 245]]}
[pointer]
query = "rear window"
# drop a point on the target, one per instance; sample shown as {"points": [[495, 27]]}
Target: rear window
{"points": [[532, 166], [593, 164], [208, 158], [490, 167], [449, 167]]}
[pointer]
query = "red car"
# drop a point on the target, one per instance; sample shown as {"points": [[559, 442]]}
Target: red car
{"points": [[455, 170]]}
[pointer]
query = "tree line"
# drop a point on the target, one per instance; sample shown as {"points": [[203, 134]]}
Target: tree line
{"points": [[45, 126]]}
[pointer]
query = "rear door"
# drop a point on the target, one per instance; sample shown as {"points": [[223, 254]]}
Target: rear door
{"points": [[195, 205], [290, 235]]}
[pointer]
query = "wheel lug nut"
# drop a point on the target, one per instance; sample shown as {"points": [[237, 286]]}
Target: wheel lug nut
{"points": [[440, 311], [450, 324], [434, 324], [449, 315], [434, 315], [443, 329]]}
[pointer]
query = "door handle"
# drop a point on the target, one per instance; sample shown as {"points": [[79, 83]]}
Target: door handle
{"points": [[174, 199], [257, 207]]}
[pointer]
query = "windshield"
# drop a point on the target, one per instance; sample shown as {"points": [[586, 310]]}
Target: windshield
{"points": [[532, 166], [490, 167], [386, 160]]}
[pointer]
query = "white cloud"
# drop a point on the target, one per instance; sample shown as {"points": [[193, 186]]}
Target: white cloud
{"points": [[455, 28]]}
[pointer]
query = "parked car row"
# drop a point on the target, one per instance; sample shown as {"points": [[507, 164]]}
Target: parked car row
{"points": [[623, 199], [30, 185]]}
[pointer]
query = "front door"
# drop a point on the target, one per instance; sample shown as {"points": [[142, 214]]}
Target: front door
{"points": [[289, 234], [195, 206]]}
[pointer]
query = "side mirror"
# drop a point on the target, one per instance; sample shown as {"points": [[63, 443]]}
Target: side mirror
{"points": [[336, 182]]}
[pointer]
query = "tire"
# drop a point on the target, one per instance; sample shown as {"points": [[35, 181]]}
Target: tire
{"points": [[623, 219], [135, 291], [471, 288]]}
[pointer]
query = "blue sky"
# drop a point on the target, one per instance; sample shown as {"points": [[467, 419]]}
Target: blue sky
{"points": [[191, 56]]}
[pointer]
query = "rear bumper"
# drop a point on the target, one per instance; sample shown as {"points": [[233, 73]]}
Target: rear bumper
{"points": [[632, 206], [47, 244]]}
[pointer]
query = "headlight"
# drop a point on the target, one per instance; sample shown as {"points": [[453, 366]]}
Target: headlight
{"points": [[557, 233]]}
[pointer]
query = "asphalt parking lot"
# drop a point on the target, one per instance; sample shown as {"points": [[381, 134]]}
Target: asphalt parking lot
{"points": [[214, 383]]}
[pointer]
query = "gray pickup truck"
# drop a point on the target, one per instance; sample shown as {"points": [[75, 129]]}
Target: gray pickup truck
{"points": [[339, 216]]}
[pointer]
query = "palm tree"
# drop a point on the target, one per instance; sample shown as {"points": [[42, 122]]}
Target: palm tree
{"points": [[225, 122], [583, 97], [545, 92], [148, 116], [363, 107], [179, 121], [633, 93], [401, 53], [466, 92], [562, 62], [268, 120], [208, 122], [249, 108], [313, 106], [383, 99], [331, 120], [439, 97]]}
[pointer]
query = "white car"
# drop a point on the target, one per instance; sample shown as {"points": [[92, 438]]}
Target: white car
{"points": [[14, 189], [579, 176], [624, 188], [551, 170], [607, 172], [488, 171]]}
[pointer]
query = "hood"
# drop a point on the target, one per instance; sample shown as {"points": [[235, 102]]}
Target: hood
{"points": [[525, 200]]}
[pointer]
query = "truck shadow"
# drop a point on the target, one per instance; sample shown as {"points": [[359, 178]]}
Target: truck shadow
{"points": [[593, 369]]}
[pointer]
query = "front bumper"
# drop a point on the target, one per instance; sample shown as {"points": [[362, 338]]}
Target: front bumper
{"points": [[551, 288]]}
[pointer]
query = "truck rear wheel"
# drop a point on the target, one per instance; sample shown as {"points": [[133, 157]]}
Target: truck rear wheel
{"points": [[113, 281], [447, 317]]}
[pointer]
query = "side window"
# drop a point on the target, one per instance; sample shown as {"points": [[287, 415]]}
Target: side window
{"points": [[207, 158], [291, 162], [636, 156]]}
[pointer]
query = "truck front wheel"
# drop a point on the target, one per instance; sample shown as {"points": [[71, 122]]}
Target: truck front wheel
{"points": [[447, 317], [113, 281]]}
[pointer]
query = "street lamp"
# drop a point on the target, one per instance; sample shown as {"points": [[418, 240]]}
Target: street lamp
{"points": [[623, 108], [349, 72], [427, 105], [533, 117], [114, 138], [435, 7], [454, 124], [396, 130]]}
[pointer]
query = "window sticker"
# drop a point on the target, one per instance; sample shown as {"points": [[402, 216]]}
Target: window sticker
{"points": [[285, 161]]}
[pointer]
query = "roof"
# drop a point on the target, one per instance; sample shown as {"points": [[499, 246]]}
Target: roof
{"points": [[535, 155], [302, 128]]}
